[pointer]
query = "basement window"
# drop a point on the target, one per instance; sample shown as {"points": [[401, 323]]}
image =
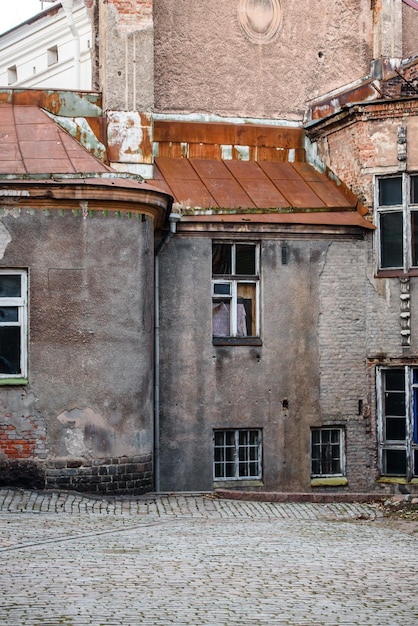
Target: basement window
{"points": [[237, 454], [397, 403], [397, 222], [13, 325], [327, 452], [235, 292]]}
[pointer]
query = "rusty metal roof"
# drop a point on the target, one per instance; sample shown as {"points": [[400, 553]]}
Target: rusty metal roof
{"points": [[250, 185], [32, 143]]}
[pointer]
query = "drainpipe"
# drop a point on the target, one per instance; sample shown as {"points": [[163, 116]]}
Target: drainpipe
{"points": [[173, 219], [67, 5]]}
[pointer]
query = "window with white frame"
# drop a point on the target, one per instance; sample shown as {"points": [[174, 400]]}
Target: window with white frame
{"points": [[327, 452], [397, 404], [13, 324], [235, 290], [397, 222], [237, 454]]}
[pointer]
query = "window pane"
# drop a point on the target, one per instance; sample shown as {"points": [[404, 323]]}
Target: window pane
{"points": [[395, 429], [395, 380], [390, 191], [391, 239], [221, 322], [415, 470], [394, 403], [9, 314], [246, 314], [223, 289], [414, 189], [245, 259], [394, 462], [10, 286], [414, 237], [10, 350], [221, 258], [326, 451]]}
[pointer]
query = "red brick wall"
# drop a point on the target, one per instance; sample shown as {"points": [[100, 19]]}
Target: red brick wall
{"points": [[133, 13]]}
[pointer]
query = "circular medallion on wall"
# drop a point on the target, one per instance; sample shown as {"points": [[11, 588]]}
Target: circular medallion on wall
{"points": [[260, 19]]}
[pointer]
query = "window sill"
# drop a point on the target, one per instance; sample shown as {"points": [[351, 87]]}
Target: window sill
{"points": [[397, 480], [335, 481], [13, 381], [237, 341], [399, 273], [237, 484]]}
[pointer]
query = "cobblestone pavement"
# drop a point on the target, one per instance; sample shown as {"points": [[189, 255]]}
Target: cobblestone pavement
{"points": [[193, 559]]}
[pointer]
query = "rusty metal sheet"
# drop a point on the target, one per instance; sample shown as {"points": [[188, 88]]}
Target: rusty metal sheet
{"points": [[256, 184], [187, 188], [329, 105], [279, 171], [309, 173], [204, 151], [220, 133], [299, 194], [269, 136], [331, 195], [192, 194], [194, 132], [129, 137], [319, 218], [36, 144], [221, 184], [208, 170], [176, 169]]}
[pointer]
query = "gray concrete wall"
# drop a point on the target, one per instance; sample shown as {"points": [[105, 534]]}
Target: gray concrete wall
{"points": [[314, 334], [206, 62], [90, 388]]}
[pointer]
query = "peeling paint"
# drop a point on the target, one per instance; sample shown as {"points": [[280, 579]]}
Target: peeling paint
{"points": [[5, 239], [79, 128]]}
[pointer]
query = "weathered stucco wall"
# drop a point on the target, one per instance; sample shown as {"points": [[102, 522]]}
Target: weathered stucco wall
{"points": [[89, 397], [205, 61], [310, 371], [126, 53]]}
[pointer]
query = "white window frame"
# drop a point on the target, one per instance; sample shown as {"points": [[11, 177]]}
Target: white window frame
{"points": [[233, 280], [21, 302], [236, 460], [406, 208], [408, 445], [341, 444]]}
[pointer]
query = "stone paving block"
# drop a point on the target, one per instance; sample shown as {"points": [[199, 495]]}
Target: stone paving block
{"points": [[196, 560]]}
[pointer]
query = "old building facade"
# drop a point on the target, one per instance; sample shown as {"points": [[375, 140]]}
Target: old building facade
{"points": [[268, 340]]}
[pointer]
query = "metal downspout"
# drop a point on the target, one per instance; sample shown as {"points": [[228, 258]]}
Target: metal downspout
{"points": [[173, 219], [67, 5]]}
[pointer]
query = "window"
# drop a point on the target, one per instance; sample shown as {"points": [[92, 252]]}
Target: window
{"points": [[235, 290], [52, 55], [13, 324], [237, 454], [397, 221], [327, 452], [397, 421]]}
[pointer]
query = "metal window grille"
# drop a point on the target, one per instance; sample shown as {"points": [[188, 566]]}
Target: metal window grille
{"points": [[237, 454], [327, 451]]}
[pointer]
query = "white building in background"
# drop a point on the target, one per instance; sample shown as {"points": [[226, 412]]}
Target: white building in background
{"points": [[51, 50]]}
